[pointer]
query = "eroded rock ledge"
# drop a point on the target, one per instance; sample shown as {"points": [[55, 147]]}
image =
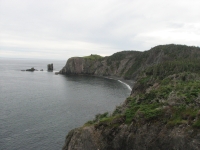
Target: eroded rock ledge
{"points": [[154, 136]]}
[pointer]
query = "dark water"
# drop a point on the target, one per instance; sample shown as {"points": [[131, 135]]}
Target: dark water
{"points": [[38, 109]]}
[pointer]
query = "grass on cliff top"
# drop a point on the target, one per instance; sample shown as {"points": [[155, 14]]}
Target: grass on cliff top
{"points": [[177, 51], [93, 57], [174, 101], [168, 92]]}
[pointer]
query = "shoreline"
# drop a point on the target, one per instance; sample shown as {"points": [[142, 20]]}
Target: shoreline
{"points": [[129, 87], [128, 83]]}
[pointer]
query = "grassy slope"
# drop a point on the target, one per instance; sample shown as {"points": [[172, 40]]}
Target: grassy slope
{"points": [[167, 92]]}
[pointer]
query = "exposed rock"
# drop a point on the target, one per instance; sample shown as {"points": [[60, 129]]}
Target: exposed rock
{"points": [[127, 64], [50, 67], [80, 65], [32, 69], [132, 137], [163, 110], [41, 70]]}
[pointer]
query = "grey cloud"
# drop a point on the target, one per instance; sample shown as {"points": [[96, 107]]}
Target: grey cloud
{"points": [[103, 27]]}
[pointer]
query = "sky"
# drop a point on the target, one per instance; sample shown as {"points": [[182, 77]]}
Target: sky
{"points": [[60, 29]]}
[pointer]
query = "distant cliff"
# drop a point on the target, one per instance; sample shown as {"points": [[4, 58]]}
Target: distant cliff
{"points": [[163, 110], [127, 64]]}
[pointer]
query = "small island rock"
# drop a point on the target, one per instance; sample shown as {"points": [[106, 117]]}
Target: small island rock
{"points": [[32, 69], [50, 67]]}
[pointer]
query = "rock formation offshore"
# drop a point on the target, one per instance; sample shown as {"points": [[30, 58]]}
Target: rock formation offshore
{"points": [[50, 67]]}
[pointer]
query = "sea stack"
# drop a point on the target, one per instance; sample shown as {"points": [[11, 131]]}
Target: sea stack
{"points": [[50, 67]]}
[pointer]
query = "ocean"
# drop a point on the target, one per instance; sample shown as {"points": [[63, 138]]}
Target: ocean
{"points": [[38, 109]]}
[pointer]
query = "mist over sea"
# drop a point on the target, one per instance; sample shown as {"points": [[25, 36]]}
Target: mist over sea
{"points": [[38, 109]]}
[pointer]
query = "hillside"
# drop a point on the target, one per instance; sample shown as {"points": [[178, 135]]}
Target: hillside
{"points": [[127, 64], [163, 110]]}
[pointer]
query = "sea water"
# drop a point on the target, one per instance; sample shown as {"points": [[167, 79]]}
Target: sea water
{"points": [[38, 109]]}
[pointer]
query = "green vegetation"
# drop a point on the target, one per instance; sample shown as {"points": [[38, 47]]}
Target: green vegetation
{"points": [[139, 59], [197, 123], [182, 115], [121, 55], [171, 67], [168, 59], [176, 51], [174, 100], [142, 111], [98, 118], [93, 57], [166, 91]]}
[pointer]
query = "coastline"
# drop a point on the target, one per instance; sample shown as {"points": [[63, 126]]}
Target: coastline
{"points": [[128, 83], [129, 87]]}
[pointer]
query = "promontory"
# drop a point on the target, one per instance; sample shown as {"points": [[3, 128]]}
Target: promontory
{"points": [[163, 110]]}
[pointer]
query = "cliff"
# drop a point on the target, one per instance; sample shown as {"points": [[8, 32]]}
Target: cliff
{"points": [[127, 64], [163, 110], [131, 137]]}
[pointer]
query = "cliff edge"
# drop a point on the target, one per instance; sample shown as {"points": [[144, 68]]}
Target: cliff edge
{"points": [[163, 110]]}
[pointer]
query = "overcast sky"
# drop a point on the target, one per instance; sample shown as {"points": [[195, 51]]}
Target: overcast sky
{"points": [[59, 29]]}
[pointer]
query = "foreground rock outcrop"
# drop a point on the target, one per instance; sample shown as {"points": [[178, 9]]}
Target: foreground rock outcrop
{"points": [[163, 110], [153, 136]]}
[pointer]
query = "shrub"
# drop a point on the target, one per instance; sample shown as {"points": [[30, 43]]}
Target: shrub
{"points": [[197, 124], [99, 117]]}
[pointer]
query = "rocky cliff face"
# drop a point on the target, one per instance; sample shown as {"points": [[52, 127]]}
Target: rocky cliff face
{"points": [[107, 66], [81, 65], [127, 64], [133, 137], [163, 111]]}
